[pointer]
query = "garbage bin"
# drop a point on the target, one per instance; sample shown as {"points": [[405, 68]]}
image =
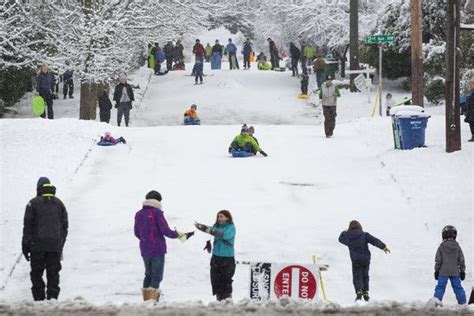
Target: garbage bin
{"points": [[409, 125]]}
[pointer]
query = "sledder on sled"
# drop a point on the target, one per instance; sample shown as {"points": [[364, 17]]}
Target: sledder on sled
{"points": [[244, 145], [191, 117], [108, 140]]}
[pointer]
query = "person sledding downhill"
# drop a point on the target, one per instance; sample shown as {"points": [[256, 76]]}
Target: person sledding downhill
{"points": [[245, 142], [191, 117], [450, 265], [358, 242]]}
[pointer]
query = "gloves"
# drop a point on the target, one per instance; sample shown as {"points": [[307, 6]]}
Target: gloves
{"points": [[263, 153], [202, 227], [26, 252], [185, 236], [208, 246], [436, 275], [386, 250], [462, 275]]}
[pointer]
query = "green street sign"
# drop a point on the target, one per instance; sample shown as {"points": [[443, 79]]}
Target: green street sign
{"points": [[375, 39]]}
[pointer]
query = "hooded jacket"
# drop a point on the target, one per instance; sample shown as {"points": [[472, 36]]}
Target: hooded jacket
{"points": [[151, 228], [358, 242], [45, 224], [449, 258]]}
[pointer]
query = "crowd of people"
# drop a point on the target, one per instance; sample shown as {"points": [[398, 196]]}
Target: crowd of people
{"points": [[46, 228]]}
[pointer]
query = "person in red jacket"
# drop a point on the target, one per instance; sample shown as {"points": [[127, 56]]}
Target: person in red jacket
{"points": [[199, 51]]}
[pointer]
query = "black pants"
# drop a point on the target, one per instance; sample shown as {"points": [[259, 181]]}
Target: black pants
{"points": [[48, 98], [123, 110], [275, 60], [222, 271], [246, 61], [304, 84], [197, 76], [471, 126], [360, 276], [330, 113], [68, 87], [169, 63], [294, 66], [104, 116], [51, 261]]}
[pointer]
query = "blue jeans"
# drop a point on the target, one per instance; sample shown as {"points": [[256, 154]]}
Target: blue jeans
{"points": [[319, 79], [457, 288], [154, 267]]}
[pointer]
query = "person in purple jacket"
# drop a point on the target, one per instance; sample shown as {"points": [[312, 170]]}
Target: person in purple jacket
{"points": [[358, 242], [151, 228]]}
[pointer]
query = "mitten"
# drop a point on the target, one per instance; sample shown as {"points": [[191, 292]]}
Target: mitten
{"points": [[208, 246]]}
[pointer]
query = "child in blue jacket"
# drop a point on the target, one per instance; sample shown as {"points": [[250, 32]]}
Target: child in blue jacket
{"points": [[358, 242]]}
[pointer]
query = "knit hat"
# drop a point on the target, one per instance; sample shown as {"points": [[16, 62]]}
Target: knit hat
{"points": [[251, 129], [153, 195], [42, 181]]}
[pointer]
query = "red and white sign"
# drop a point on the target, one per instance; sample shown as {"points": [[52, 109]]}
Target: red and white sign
{"points": [[295, 281]]}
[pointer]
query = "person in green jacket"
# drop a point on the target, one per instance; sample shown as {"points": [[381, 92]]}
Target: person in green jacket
{"points": [[222, 261], [245, 142]]}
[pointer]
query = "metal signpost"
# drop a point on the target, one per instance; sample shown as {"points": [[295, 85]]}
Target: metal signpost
{"points": [[379, 39]]}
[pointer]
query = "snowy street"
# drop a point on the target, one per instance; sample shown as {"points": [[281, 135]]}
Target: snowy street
{"points": [[286, 207]]}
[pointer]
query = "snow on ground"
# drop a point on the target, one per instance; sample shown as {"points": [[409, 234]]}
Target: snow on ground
{"points": [[399, 196]]}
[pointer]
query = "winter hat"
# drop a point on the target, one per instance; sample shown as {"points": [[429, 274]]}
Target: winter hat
{"points": [[153, 195], [251, 129], [42, 181], [194, 106]]}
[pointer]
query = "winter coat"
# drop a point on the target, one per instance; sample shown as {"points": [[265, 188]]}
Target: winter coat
{"points": [[273, 49], [224, 246], [358, 242], [319, 65], [45, 82], [67, 75], [208, 50], [329, 94], [178, 51], [217, 48], [151, 228], [247, 48], [470, 109], [169, 51], [231, 49], [295, 53], [45, 224], [104, 102], [309, 52], [449, 258], [118, 93], [242, 139], [159, 55], [191, 113], [199, 50]]}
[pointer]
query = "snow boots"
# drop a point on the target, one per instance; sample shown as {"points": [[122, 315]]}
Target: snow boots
{"points": [[151, 294], [362, 295]]}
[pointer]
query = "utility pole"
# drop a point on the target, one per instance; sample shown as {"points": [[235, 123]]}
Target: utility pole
{"points": [[416, 53], [453, 119], [354, 40]]}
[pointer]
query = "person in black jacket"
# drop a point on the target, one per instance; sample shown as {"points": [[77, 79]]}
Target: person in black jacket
{"points": [[68, 84], [123, 97], [469, 112], [295, 55], [358, 242], [169, 52], [274, 54], [45, 85], [45, 230], [105, 106]]}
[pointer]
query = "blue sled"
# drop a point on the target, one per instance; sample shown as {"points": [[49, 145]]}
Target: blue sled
{"points": [[241, 154], [192, 122], [106, 144]]}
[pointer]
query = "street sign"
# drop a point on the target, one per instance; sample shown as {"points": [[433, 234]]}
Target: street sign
{"points": [[360, 82], [375, 39]]}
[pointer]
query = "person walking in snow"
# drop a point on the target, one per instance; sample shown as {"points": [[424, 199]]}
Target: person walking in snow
{"points": [[45, 228], [198, 71], [151, 228], [304, 82], [295, 55], [123, 97], [245, 142], [247, 50], [44, 86], [105, 106], [358, 242], [329, 93], [449, 265], [469, 112], [160, 57], [319, 66], [231, 50], [68, 84], [169, 53], [216, 55], [222, 261], [274, 54]]}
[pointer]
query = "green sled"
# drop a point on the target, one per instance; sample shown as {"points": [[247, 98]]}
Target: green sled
{"points": [[38, 105]]}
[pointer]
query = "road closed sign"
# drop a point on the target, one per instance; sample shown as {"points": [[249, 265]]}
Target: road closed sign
{"points": [[276, 280]]}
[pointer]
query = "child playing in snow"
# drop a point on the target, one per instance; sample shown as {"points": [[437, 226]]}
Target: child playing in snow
{"points": [[107, 138], [358, 242], [191, 114], [198, 71], [389, 103], [449, 266]]}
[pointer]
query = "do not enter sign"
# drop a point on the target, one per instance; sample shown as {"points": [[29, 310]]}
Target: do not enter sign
{"points": [[296, 282]]}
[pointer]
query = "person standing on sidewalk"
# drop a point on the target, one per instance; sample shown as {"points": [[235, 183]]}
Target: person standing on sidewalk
{"points": [[329, 93], [45, 228], [123, 97], [45, 85]]}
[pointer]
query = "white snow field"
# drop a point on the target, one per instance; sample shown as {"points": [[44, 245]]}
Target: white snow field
{"points": [[287, 207]]}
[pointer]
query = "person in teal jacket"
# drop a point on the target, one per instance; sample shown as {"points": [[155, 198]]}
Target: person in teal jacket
{"points": [[245, 142], [222, 261]]}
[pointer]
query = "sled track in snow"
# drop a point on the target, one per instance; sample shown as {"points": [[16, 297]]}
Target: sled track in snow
{"points": [[215, 309]]}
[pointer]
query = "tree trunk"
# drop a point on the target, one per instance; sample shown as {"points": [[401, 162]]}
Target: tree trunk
{"points": [[88, 101], [416, 54], [354, 40]]}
